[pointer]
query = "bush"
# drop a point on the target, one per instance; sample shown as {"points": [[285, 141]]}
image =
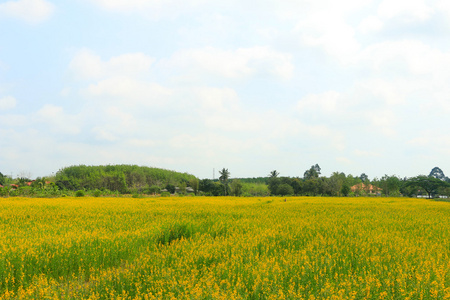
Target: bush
{"points": [[165, 194], [171, 188], [154, 189], [285, 189], [80, 193], [4, 191]]}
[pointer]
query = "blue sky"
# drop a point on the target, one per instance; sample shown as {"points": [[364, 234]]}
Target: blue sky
{"points": [[192, 85]]}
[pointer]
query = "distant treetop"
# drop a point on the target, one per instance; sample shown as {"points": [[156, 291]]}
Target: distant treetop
{"points": [[439, 174]]}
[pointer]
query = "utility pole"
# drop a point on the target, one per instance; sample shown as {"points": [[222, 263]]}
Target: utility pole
{"points": [[213, 173]]}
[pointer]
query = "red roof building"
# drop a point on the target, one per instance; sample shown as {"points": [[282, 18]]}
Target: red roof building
{"points": [[370, 189]]}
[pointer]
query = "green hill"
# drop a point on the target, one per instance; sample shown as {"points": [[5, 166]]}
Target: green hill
{"points": [[122, 178]]}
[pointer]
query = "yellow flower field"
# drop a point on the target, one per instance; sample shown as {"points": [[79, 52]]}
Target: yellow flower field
{"points": [[224, 248]]}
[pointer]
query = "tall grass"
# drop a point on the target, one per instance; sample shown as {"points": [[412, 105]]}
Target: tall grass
{"points": [[224, 248]]}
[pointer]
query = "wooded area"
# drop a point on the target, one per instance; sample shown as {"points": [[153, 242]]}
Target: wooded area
{"points": [[140, 180]]}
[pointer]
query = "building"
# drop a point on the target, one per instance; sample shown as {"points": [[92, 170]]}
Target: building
{"points": [[367, 188]]}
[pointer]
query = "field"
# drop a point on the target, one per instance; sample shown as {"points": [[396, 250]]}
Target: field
{"points": [[224, 248]]}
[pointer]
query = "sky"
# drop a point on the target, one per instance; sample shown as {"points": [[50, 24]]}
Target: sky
{"points": [[356, 86]]}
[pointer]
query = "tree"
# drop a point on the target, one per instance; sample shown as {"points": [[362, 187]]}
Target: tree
{"points": [[336, 182], [194, 183], [311, 187], [236, 187], [273, 174], [285, 189], [2, 179], [207, 186], [171, 188], [350, 180], [296, 185], [439, 174], [224, 176], [394, 184], [364, 177], [273, 182], [115, 181], [345, 189], [390, 185], [154, 189], [182, 187], [430, 184], [312, 173]]}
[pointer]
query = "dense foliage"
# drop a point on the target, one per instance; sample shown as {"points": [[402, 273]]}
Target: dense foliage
{"points": [[121, 178], [131, 179]]}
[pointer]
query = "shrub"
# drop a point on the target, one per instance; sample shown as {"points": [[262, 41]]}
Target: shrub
{"points": [[171, 188], [154, 189], [285, 189], [80, 193], [165, 194], [97, 193]]}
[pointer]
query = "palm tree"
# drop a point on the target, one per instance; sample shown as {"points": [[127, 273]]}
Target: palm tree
{"points": [[273, 174], [224, 176]]}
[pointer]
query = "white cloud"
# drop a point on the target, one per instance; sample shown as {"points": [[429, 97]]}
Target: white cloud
{"points": [[329, 30], [241, 63], [119, 80], [129, 91], [327, 102], [443, 6], [58, 120], [384, 92], [104, 135], [153, 9], [365, 153], [216, 100], [125, 4], [7, 102], [405, 10], [31, 11], [383, 121], [344, 160], [370, 24], [88, 65], [14, 121], [220, 108], [134, 142], [431, 141], [115, 125], [417, 57]]}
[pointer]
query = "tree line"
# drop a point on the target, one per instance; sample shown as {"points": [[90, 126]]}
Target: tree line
{"points": [[338, 184], [133, 179]]}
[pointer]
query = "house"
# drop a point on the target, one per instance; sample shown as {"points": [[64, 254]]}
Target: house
{"points": [[368, 188]]}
